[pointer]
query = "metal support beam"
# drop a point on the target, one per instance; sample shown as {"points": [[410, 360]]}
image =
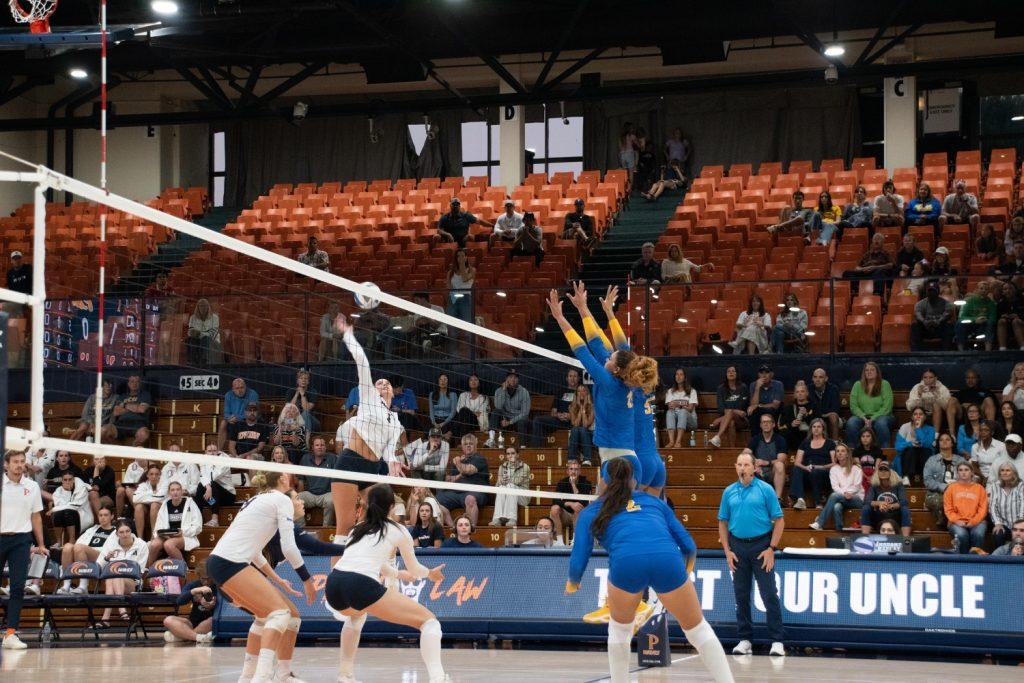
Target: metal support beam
{"points": [[286, 85], [910, 30], [250, 85], [881, 31], [553, 57], [463, 37], [215, 88], [22, 88], [187, 74], [594, 54]]}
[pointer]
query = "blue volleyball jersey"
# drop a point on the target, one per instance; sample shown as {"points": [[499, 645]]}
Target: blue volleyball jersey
{"points": [[613, 400]]}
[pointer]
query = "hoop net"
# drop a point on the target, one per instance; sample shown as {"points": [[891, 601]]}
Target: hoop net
{"points": [[37, 16]]}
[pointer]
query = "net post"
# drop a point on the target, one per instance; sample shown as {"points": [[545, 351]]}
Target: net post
{"points": [[38, 306]]}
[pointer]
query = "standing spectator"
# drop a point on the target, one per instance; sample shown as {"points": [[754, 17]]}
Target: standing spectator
{"points": [[795, 419], [330, 340], [1014, 265], [131, 414], [304, 398], [628, 152], [646, 270], [987, 449], [21, 522], [814, 458], [677, 149], [291, 433], [454, 225], [1015, 546], [750, 526], [877, 264], [1010, 313], [461, 277], [825, 401], [564, 512], [70, 512], [675, 269], [732, 403], [1010, 421], [464, 528], [967, 434], [972, 393], [1005, 501], [888, 209], [867, 454], [933, 320], [87, 422], [977, 320], [886, 499], [830, 215], [558, 418], [915, 443], [405, 404], [473, 410], [966, 505], [847, 481], [645, 163], [511, 409], [216, 488], [766, 394], [871, 405], [235, 402], [768, 450], [317, 258], [680, 409], [858, 213], [581, 417], [508, 224], [442, 406], [178, 525], [791, 324], [908, 256], [468, 468], [248, 438], [752, 327], [530, 240], [427, 531], [315, 492], [940, 472], [924, 209], [961, 207], [1014, 391], [428, 458], [203, 339], [579, 226], [515, 474], [987, 247], [671, 177], [797, 217], [934, 399]]}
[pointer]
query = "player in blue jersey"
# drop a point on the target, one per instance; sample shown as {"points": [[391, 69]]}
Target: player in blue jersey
{"points": [[647, 548]]}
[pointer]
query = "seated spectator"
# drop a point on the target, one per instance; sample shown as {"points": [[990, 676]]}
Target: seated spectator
{"points": [[858, 213], [461, 276], [565, 512], [972, 393], [203, 340], [908, 256], [581, 417], [147, 499], [372, 331], [579, 226], [1013, 234], [508, 224], [940, 264], [473, 410], [454, 225], [279, 455], [940, 472], [305, 398], [469, 467], [133, 475], [961, 207], [1015, 546], [867, 454], [235, 402], [63, 464], [123, 545], [515, 474], [405, 404], [1010, 317], [1014, 391], [1005, 500], [886, 499], [463, 538], [766, 394], [675, 269], [442, 406], [733, 401], [795, 420], [915, 443], [248, 438], [876, 265], [216, 488], [420, 495], [888, 207], [680, 409], [317, 258], [934, 398], [752, 328], [428, 457], [102, 484], [131, 414], [670, 177], [1010, 421], [977, 319], [352, 403], [70, 512], [933, 320], [38, 462], [86, 549], [330, 339], [427, 531], [768, 449], [987, 246], [966, 505], [1013, 266], [315, 492], [291, 433], [197, 627], [797, 218], [924, 209], [987, 449], [967, 433], [416, 330], [815, 456], [847, 482], [530, 239], [558, 418], [184, 473], [830, 217], [87, 423], [825, 401], [545, 525], [871, 405], [178, 525], [646, 270], [791, 324], [511, 410]]}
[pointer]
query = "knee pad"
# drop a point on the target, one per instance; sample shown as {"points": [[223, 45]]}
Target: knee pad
{"points": [[620, 632], [256, 628], [278, 620], [430, 626], [294, 623]]}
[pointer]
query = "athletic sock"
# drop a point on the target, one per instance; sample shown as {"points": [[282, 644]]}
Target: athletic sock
{"points": [[619, 638], [83, 583], [248, 668], [430, 648], [284, 668], [265, 663], [704, 640], [66, 585]]}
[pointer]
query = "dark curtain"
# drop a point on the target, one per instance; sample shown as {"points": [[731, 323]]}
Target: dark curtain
{"points": [[442, 156], [603, 123]]}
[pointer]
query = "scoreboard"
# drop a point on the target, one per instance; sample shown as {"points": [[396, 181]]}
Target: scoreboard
{"points": [[71, 332]]}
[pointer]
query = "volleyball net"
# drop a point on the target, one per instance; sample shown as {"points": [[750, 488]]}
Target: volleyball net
{"points": [[239, 303]]}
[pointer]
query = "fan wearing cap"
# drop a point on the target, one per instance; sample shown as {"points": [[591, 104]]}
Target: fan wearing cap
{"points": [[961, 207], [19, 279], [454, 225], [1012, 444], [579, 226], [886, 499], [508, 224]]}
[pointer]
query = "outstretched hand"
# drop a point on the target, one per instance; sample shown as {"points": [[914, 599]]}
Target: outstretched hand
{"points": [[578, 296], [609, 299], [555, 305]]}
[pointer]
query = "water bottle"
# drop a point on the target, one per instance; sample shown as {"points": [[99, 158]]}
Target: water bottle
{"points": [[956, 545], [501, 440], [705, 438], [693, 438]]}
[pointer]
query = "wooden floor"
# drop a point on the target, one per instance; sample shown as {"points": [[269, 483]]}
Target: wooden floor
{"points": [[186, 663]]}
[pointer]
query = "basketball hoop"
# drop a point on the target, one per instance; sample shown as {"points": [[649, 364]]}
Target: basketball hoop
{"points": [[37, 17]]}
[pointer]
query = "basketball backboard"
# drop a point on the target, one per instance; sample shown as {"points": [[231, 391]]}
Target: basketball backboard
{"points": [[61, 38]]}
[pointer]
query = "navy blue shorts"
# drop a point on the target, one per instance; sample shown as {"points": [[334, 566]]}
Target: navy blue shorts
{"points": [[664, 572], [351, 590], [221, 570], [652, 470], [350, 461]]}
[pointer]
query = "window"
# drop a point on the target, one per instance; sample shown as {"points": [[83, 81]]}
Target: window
{"points": [[418, 133], [217, 168], [480, 149], [556, 147]]}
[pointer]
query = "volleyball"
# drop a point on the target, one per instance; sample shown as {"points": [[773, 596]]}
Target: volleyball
{"points": [[367, 302]]}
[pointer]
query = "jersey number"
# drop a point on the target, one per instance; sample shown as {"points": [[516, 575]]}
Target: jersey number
{"points": [[629, 400], [649, 406]]}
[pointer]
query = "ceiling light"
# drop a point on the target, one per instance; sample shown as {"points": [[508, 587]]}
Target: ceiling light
{"points": [[1018, 117], [78, 72], [682, 320], [714, 302], [794, 309], [501, 294], [716, 348], [959, 302], [835, 50], [809, 333], [539, 329], [165, 7]]}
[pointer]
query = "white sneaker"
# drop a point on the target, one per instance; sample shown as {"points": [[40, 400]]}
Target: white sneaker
{"points": [[204, 638], [800, 504], [715, 441], [79, 590], [348, 679], [778, 649], [170, 637], [63, 590], [13, 642], [743, 648], [32, 588], [814, 525], [287, 678], [443, 679]]}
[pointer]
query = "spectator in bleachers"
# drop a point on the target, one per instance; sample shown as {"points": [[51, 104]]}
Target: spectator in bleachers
{"points": [[305, 398], [123, 545], [940, 472], [1013, 267], [1009, 421], [766, 394], [442, 406], [472, 411], [203, 340], [461, 276], [147, 499], [415, 330], [70, 512], [908, 256], [86, 548], [159, 288], [330, 340], [797, 217], [564, 512], [184, 473], [796, 417], [1010, 314], [317, 258], [791, 324], [216, 488], [178, 525], [530, 240], [815, 456], [515, 474], [352, 403], [940, 265], [971, 392], [545, 525], [131, 414], [847, 480], [732, 403], [987, 449], [830, 217], [1014, 233], [19, 279], [680, 409], [421, 495], [315, 492], [133, 475], [825, 401], [675, 269], [427, 531], [888, 207], [886, 499], [966, 505], [628, 152], [511, 410], [916, 281], [646, 270], [280, 455], [581, 417], [858, 213], [868, 454], [1005, 501], [371, 329], [454, 225], [961, 207], [646, 162], [235, 402], [87, 423], [670, 177], [1014, 391], [933, 320], [102, 484], [768, 448], [405, 404], [248, 438], [579, 226], [977, 319], [558, 417], [39, 462], [428, 456], [463, 538], [677, 149], [63, 464], [924, 209], [871, 405], [987, 246], [915, 443], [752, 328], [1015, 546], [967, 434], [877, 264], [935, 400], [291, 433], [507, 225], [468, 468]]}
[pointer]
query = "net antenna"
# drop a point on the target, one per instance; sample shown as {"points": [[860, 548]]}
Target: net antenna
{"points": [[37, 16]]}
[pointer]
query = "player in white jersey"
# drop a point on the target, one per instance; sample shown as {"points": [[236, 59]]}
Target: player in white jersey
{"points": [[376, 433], [354, 587], [237, 565]]}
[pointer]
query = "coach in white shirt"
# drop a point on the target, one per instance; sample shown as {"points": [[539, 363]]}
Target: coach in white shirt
{"points": [[20, 521]]}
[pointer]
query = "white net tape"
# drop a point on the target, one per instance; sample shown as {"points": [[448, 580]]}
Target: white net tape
{"points": [[38, 10]]}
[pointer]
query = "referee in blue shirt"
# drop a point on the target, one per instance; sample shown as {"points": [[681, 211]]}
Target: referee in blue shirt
{"points": [[750, 527]]}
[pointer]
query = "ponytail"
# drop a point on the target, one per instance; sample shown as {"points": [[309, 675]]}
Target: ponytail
{"points": [[637, 371], [616, 494], [265, 481], [380, 498]]}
